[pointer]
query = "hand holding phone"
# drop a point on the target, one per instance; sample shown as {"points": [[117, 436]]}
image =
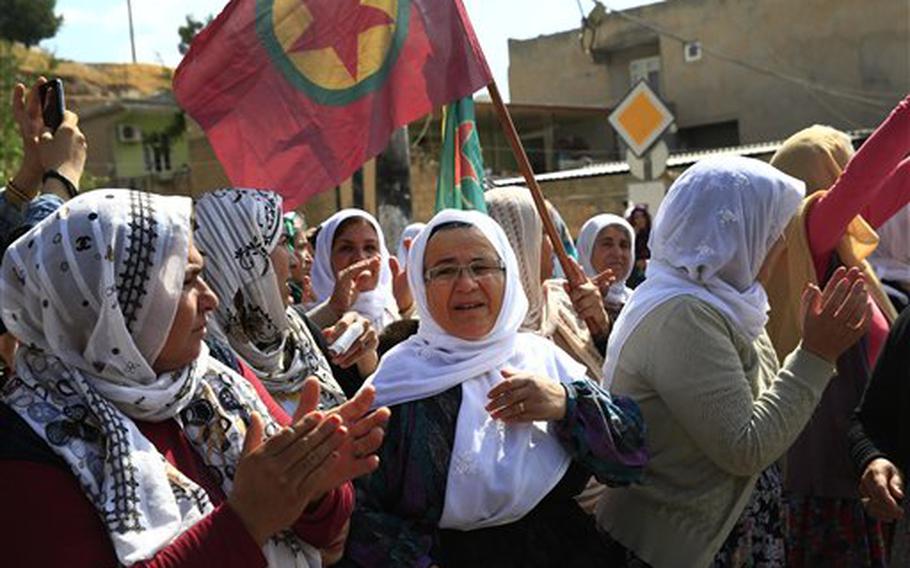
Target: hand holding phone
{"points": [[52, 103]]}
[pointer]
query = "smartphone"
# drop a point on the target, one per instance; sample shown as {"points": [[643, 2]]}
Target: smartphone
{"points": [[52, 103]]}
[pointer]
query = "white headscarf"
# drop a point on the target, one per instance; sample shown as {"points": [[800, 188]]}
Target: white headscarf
{"points": [[891, 258], [488, 481], [409, 233], [709, 240], [378, 305], [619, 293], [92, 292], [237, 230]]}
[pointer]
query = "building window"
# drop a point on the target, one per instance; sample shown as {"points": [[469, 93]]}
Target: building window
{"points": [[708, 136], [157, 154], [645, 69]]}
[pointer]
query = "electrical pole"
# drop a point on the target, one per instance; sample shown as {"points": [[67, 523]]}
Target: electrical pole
{"points": [[129, 9]]}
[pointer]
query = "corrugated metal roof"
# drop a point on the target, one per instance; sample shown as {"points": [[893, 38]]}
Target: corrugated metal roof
{"points": [[674, 161]]}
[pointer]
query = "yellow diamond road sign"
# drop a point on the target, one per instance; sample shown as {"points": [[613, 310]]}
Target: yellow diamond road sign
{"points": [[641, 118]]}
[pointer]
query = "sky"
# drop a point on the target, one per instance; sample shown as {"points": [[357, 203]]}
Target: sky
{"points": [[97, 30]]}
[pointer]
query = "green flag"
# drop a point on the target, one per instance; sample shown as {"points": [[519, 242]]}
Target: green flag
{"points": [[460, 182]]}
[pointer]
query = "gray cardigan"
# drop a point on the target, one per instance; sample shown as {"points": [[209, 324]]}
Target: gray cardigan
{"points": [[718, 411]]}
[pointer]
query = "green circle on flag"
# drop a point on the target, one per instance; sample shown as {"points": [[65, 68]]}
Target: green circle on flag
{"points": [[318, 93]]}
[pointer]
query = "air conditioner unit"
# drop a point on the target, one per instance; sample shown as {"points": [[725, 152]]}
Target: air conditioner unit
{"points": [[129, 133], [692, 51]]}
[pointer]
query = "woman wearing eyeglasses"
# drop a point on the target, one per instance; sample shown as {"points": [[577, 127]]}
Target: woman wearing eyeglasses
{"points": [[476, 407]]}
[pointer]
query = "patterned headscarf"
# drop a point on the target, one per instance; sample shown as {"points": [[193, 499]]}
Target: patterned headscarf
{"points": [[92, 292], [237, 230]]}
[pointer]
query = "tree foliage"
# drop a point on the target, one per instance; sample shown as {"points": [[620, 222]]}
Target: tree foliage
{"points": [[188, 31], [28, 21]]}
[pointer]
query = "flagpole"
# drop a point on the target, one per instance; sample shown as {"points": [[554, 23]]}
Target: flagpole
{"points": [[524, 165]]}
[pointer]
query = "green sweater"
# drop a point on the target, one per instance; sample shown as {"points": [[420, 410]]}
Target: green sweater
{"points": [[718, 412]]}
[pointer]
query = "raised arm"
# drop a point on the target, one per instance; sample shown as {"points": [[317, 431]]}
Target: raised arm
{"points": [[860, 184]]}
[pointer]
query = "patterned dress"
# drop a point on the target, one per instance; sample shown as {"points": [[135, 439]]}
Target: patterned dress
{"points": [[758, 538], [399, 506]]}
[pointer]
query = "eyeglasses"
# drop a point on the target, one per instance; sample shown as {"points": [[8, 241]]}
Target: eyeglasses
{"points": [[477, 270]]}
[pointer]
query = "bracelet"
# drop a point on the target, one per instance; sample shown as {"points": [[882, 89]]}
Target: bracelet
{"points": [[54, 174], [17, 192]]}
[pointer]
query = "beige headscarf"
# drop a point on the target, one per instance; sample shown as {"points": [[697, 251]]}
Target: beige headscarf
{"points": [[550, 312], [817, 155]]}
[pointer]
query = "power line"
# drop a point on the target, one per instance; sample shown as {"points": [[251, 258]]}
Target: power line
{"points": [[802, 82]]}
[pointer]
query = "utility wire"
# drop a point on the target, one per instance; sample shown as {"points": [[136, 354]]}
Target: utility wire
{"points": [[802, 82]]}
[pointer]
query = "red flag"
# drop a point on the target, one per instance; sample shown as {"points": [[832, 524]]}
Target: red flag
{"points": [[295, 95]]}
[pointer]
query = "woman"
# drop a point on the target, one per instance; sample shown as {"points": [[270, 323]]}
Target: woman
{"points": [[640, 220], [408, 235], [248, 265], [606, 242], [555, 311], [352, 271], [477, 407], [690, 348], [122, 441], [891, 259], [880, 440], [300, 283], [849, 197]]}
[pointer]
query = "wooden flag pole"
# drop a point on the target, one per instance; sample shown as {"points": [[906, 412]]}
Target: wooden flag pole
{"points": [[524, 165]]}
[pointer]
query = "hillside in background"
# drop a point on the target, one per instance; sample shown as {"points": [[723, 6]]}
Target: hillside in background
{"points": [[88, 84]]}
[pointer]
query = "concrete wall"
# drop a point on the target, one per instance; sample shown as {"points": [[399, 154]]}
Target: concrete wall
{"points": [[859, 49], [554, 70]]}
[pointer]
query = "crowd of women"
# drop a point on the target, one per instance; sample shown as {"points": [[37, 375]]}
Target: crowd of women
{"points": [[211, 382]]}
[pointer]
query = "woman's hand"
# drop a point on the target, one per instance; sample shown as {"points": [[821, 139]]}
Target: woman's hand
{"points": [[587, 301], [279, 477], [837, 318], [604, 281], [400, 287], [363, 351], [64, 150], [357, 455], [350, 281], [26, 103], [882, 490], [523, 397]]}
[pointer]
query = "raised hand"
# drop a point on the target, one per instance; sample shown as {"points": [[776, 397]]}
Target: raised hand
{"points": [[587, 300], [27, 113], [65, 149], [400, 287], [278, 478], [357, 456], [524, 397], [836, 318], [351, 281], [604, 281]]}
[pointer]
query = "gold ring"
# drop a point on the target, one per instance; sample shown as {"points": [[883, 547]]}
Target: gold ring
{"points": [[521, 407]]}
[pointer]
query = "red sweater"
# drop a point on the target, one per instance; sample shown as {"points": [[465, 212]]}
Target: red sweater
{"points": [[48, 521], [876, 184]]}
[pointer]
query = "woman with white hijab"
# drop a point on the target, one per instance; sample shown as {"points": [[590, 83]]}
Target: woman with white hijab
{"points": [[690, 347], [493, 431], [607, 242], [121, 441], [352, 271], [248, 266], [409, 234]]}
